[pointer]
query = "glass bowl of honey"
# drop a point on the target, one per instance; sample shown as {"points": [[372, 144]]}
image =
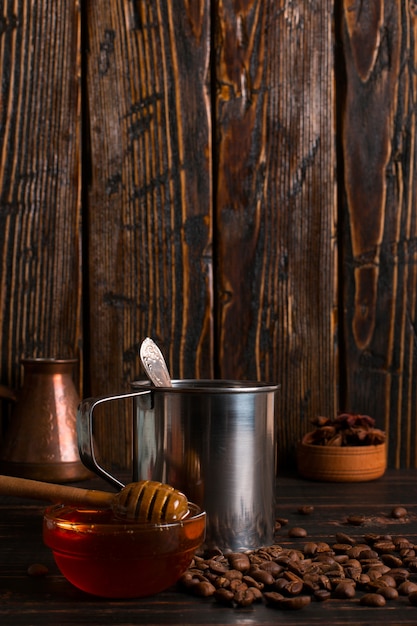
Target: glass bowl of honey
{"points": [[108, 557]]}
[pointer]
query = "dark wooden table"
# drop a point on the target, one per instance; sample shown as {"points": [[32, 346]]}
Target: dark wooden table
{"points": [[52, 600]]}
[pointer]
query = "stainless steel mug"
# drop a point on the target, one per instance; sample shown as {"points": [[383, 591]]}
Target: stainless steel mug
{"points": [[212, 439]]}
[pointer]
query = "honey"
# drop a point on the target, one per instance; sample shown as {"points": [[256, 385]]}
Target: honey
{"points": [[107, 557]]}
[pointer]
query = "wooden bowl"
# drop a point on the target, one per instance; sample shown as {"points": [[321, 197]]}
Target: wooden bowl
{"points": [[341, 464]]}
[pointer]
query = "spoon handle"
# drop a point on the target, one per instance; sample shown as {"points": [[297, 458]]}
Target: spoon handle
{"points": [[154, 363], [28, 488]]}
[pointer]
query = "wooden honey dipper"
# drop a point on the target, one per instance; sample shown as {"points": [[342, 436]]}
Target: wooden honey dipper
{"points": [[143, 501]]}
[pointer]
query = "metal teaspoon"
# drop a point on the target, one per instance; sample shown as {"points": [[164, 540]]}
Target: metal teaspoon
{"points": [[154, 364]]}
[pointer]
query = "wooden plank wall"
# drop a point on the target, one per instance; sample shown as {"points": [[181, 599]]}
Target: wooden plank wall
{"points": [[275, 206], [40, 183], [150, 198], [234, 179], [378, 219]]}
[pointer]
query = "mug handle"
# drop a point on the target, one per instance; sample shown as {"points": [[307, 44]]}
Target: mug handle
{"points": [[85, 433]]}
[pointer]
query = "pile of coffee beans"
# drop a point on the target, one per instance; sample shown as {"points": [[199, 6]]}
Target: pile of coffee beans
{"points": [[373, 568]]}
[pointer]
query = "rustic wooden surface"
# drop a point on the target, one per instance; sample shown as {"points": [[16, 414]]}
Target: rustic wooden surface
{"points": [[234, 179], [52, 600]]}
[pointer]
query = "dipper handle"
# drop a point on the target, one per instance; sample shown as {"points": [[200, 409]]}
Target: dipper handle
{"points": [[143, 501], [27, 488]]}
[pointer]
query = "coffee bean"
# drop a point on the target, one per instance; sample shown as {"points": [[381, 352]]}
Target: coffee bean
{"points": [[335, 580], [224, 596], [356, 520], [355, 552], [272, 567], [341, 548], [197, 574], [306, 509], [237, 585], [376, 565], [399, 574], [325, 582], [257, 558], [187, 580], [343, 538], [408, 552], [239, 561], [374, 574], [297, 532], [377, 586], [312, 580], [413, 598], [280, 584], [262, 576], [391, 560], [200, 563], [273, 551], [345, 589], [406, 588], [300, 567], [291, 576], [294, 604], [367, 553], [368, 564], [251, 582], [373, 599], [379, 568], [384, 546], [294, 587], [389, 593], [204, 589], [283, 560], [295, 555], [388, 580], [310, 548], [233, 574], [217, 567], [363, 580], [244, 597], [273, 598], [257, 593], [353, 564], [398, 512], [37, 570], [412, 564]]}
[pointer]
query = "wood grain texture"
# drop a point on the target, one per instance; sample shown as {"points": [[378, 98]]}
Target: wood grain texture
{"points": [[40, 264], [380, 276], [276, 206], [149, 201], [199, 206]]}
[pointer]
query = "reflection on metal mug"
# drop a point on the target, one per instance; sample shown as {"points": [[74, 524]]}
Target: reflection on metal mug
{"points": [[212, 439]]}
